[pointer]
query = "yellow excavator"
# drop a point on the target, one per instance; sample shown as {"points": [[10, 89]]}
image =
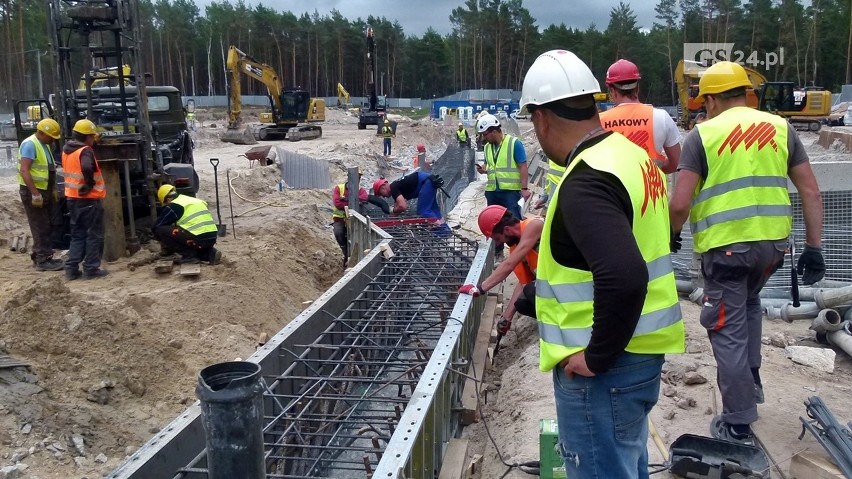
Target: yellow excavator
{"points": [[290, 108], [343, 99], [803, 108]]}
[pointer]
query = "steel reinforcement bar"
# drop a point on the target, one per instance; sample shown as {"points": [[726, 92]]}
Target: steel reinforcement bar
{"points": [[364, 382]]}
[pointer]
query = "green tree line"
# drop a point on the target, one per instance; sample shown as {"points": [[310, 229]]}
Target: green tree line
{"points": [[490, 45]]}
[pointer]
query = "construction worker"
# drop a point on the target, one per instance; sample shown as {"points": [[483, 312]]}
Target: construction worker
{"points": [[523, 238], [506, 167], [422, 186], [340, 200], [651, 128], [37, 180], [421, 155], [732, 184], [606, 301], [387, 134], [554, 174], [186, 227], [84, 191], [462, 136]]}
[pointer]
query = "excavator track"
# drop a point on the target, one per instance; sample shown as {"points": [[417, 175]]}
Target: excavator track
{"points": [[304, 132]]}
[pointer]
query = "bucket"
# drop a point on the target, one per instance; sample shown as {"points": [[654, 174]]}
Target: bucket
{"points": [[231, 396]]}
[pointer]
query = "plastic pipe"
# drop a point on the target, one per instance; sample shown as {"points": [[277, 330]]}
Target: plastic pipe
{"points": [[828, 320], [842, 338], [829, 298], [789, 313]]}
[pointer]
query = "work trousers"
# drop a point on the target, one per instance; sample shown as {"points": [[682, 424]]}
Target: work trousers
{"points": [[40, 221], [733, 278], [87, 235], [387, 146], [507, 199], [603, 420], [341, 236], [525, 304], [427, 198], [178, 240]]}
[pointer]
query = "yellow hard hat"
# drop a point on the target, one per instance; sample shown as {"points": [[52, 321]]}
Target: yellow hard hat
{"points": [[722, 77], [164, 191], [49, 127], [85, 127]]}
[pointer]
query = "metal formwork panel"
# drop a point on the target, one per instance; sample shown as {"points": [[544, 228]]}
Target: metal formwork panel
{"points": [[303, 172]]}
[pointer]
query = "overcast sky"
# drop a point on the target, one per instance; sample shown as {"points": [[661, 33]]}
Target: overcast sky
{"points": [[416, 16]]}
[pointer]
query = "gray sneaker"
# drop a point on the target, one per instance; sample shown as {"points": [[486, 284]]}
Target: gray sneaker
{"points": [[722, 430], [758, 394], [51, 265]]}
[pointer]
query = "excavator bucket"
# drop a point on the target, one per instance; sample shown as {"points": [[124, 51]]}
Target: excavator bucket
{"points": [[238, 136]]}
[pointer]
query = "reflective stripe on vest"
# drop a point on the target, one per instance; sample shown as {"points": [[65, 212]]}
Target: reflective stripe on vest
{"points": [[526, 269], [196, 218], [636, 122], [461, 135], [565, 296], [554, 174], [74, 179], [387, 132], [503, 172], [40, 167], [744, 197], [337, 212]]}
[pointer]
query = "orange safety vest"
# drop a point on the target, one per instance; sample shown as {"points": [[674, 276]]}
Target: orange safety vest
{"points": [[74, 180], [525, 270], [636, 122]]}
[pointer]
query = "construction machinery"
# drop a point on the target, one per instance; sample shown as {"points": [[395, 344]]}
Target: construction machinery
{"points": [[343, 99], [372, 112], [290, 108], [144, 137], [804, 108]]}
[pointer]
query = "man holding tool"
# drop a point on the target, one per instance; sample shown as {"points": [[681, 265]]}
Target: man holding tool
{"points": [[420, 185], [733, 187], [186, 227]]}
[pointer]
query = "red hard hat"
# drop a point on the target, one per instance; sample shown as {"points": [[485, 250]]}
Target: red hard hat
{"points": [[421, 147], [622, 71], [378, 184], [489, 218]]}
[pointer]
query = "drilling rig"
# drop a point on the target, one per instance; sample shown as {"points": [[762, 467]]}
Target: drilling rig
{"points": [[373, 112]]}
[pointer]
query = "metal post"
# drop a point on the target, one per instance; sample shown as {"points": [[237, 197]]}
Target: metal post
{"points": [[40, 80]]}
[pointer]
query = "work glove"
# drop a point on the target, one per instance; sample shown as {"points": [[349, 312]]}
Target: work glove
{"points": [[38, 201], [85, 189], [503, 326], [382, 204], [55, 196], [811, 265], [676, 242], [437, 181], [470, 289]]}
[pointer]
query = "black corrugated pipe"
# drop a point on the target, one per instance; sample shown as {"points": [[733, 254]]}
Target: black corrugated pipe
{"points": [[231, 396]]}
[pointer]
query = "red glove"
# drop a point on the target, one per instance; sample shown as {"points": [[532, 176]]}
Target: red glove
{"points": [[470, 289], [503, 326]]}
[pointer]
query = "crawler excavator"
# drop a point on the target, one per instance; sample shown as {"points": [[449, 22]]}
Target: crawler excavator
{"points": [[290, 107], [803, 108]]}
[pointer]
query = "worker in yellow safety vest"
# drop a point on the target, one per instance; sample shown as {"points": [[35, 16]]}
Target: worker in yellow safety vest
{"points": [[340, 200], [185, 226], [85, 191], [462, 136], [606, 302], [732, 185], [387, 134], [37, 180]]}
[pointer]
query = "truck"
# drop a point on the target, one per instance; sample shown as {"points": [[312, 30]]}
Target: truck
{"points": [[143, 128], [373, 111], [804, 108], [290, 107]]}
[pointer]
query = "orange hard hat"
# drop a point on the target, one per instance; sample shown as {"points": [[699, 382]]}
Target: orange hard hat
{"points": [[489, 217], [378, 184], [421, 147]]}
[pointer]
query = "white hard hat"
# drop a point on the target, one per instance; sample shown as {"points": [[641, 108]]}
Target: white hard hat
{"points": [[485, 122], [556, 75]]}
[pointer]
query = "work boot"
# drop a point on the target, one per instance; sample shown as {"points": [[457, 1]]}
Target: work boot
{"points": [[215, 256], [724, 431], [50, 265], [188, 259], [100, 273], [72, 274]]}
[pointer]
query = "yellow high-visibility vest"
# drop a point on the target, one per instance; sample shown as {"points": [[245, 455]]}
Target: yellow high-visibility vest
{"points": [[503, 172], [196, 218], [40, 167]]}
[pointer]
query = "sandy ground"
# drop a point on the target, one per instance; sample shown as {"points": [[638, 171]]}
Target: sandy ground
{"points": [[114, 360]]}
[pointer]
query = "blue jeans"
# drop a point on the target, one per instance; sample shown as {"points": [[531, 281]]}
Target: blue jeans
{"points": [[603, 420], [387, 145], [87, 235]]}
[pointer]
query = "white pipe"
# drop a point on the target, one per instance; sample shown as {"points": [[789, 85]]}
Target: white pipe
{"points": [[789, 313], [833, 297], [842, 338]]}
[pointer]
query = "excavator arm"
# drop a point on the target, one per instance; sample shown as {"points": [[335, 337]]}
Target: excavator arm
{"points": [[343, 99], [240, 62]]}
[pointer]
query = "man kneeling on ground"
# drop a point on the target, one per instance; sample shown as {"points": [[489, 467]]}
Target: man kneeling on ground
{"points": [[186, 227]]}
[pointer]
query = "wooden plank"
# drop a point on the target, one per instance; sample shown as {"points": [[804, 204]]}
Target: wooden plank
{"points": [[190, 269], [813, 465], [470, 406], [114, 243], [163, 266], [454, 462]]}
